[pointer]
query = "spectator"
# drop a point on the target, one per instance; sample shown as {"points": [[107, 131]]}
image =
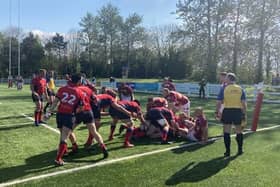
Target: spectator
{"points": [[202, 85]]}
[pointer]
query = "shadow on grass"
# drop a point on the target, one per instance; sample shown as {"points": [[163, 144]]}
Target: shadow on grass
{"points": [[34, 164], [192, 148], [17, 97], [45, 162], [13, 127], [195, 172], [12, 117]]}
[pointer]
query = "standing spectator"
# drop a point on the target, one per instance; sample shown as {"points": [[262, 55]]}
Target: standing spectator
{"points": [[10, 81], [19, 82], [93, 81], [234, 99], [202, 85], [168, 83]]}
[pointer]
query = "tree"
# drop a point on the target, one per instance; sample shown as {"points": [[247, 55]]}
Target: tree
{"points": [[132, 32], [32, 55], [110, 23]]}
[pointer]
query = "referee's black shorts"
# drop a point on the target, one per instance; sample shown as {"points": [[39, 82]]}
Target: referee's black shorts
{"points": [[232, 116]]}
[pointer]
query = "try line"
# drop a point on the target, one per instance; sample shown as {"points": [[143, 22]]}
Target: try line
{"points": [[107, 162]]}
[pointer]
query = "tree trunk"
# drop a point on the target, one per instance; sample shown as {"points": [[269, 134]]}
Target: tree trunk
{"points": [[236, 40], [209, 50], [259, 74]]}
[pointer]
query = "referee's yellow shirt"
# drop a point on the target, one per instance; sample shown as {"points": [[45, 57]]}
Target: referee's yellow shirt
{"points": [[51, 84], [232, 96]]}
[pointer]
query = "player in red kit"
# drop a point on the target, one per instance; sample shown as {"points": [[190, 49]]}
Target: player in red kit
{"points": [[125, 93], [131, 106], [177, 101], [86, 116], [70, 100], [161, 118], [38, 88], [156, 102], [167, 83], [101, 102]]}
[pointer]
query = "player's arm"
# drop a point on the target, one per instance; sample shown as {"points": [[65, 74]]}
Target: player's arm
{"points": [[54, 104], [32, 88], [46, 92], [140, 116], [132, 97], [121, 109]]}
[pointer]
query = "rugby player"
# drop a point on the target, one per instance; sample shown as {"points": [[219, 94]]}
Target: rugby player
{"points": [[101, 102], [70, 101], [163, 119], [131, 106], [177, 102], [86, 116], [125, 92], [38, 88]]}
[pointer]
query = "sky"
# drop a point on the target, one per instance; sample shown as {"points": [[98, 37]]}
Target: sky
{"points": [[62, 15]]}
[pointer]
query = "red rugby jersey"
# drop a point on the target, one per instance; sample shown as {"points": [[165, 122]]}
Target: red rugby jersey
{"points": [[39, 84], [87, 93], [70, 98], [104, 100], [177, 97]]}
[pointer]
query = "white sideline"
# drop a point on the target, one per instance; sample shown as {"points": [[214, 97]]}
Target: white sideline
{"points": [[102, 163], [46, 126]]}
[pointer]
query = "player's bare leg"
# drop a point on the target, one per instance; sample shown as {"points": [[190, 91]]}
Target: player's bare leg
{"points": [[65, 133], [128, 135], [92, 129], [112, 129]]}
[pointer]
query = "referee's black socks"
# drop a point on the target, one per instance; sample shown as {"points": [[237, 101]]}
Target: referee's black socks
{"points": [[227, 143], [239, 140]]}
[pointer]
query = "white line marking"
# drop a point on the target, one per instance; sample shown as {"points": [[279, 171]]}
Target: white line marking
{"points": [[44, 125], [102, 163], [12, 125]]}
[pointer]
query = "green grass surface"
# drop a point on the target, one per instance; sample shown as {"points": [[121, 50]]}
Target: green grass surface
{"points": [[28, 151]]}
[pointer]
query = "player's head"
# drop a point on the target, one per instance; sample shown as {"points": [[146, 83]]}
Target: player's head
{"points": [[111, 93], [137, 101], [165, 92], [76, 78], [42, 72], [198, 111], [103, 90], [230, 78], [67, 77]]}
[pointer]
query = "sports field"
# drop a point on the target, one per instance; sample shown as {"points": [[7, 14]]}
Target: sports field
{"points": [[27, 153]]}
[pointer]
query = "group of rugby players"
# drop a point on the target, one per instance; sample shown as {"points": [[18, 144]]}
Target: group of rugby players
{"points": [[78, 101]]}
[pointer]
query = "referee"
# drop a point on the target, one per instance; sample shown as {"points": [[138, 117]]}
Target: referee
{"points": [[233, 98]]}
